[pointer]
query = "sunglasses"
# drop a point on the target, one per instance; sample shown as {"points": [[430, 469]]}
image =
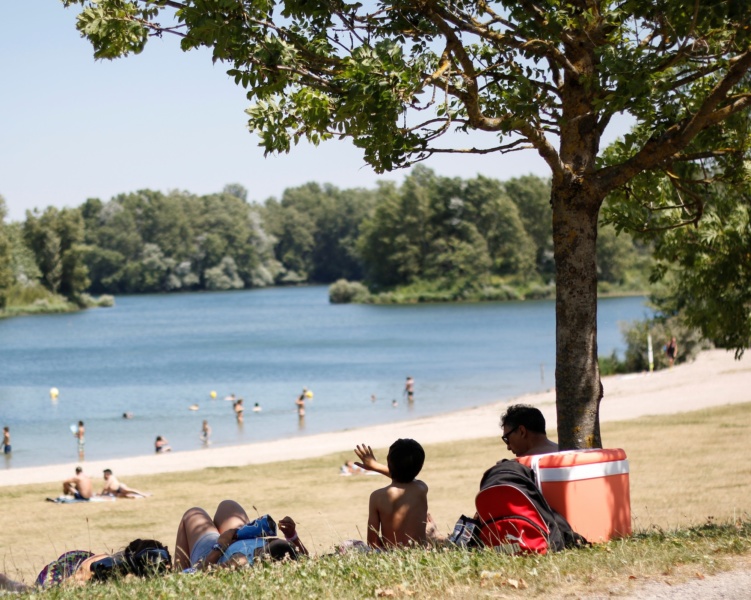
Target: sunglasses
{"points": [[506, 436]]}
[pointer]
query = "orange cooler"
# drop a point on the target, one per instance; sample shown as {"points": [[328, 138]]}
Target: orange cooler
{"points": [[588, 487]]}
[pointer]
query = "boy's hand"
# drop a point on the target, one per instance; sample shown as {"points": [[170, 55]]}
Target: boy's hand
{"points": [[368, 460], [366, 456]]}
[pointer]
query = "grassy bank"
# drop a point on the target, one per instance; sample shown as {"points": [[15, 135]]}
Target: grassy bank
{"points": [[491, 289], [685, 522], [35, 299]]}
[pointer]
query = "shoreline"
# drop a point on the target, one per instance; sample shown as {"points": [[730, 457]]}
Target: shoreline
{"points": [[715, 378]]}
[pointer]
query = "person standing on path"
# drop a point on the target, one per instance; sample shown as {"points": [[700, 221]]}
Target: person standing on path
{"points": [[671, 350]]}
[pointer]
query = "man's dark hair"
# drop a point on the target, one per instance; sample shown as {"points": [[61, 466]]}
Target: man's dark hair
{"points": [[107, 471], [79, 470], [405, 460], [524, 414]]}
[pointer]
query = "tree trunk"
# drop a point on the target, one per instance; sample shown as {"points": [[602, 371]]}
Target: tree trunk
{"points": [[577, 373]]}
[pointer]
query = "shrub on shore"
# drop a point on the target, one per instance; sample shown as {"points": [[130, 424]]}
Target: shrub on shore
{"points": [[344, 292], [35, 299]]}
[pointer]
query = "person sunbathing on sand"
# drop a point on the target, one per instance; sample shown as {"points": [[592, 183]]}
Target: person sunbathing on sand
{"points": [[398, 513], [113, 487], [223, 541]]}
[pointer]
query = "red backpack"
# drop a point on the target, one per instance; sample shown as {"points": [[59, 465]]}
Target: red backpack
{"points": [[510, 521]]}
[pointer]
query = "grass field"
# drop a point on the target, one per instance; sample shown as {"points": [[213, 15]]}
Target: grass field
{"points": [[690, 491]]}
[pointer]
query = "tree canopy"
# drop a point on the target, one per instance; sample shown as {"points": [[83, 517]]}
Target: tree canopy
{"points": [[395, 77]]}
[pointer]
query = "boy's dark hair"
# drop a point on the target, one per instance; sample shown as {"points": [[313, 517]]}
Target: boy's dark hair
{"points": [[405, 460], [281, 550], [107, 471], [524, 414]]}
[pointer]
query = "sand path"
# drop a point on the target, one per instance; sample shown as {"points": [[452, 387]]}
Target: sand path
{"points": [[714, 379]]}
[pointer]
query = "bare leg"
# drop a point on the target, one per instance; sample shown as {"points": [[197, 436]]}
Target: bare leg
{"points": [[195, 523], [128, 492], [230, 515]]}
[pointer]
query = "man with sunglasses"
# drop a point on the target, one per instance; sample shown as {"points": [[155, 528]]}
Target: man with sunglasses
{"points": [[524, 431]]}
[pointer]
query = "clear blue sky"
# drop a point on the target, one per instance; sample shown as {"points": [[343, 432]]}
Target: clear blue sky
{"points": [[74, 128]]}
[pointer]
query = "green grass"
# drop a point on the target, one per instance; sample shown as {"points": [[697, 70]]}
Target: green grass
{"points": [[618, 565], [685, 523]]}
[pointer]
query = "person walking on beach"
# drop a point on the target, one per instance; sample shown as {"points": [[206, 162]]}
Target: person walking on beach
{"points": [[78, 486], [671, 350], [409, 388], [6, 440], [80, 435], [205, 433]]}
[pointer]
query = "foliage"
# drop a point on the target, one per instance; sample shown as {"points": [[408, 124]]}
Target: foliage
{"points": [[450, 231], [6, 247], [152, 242], [55, 237], [432, 239], [316, 228], [33, 298], [707, 269], [343, 292], [532, 197]]}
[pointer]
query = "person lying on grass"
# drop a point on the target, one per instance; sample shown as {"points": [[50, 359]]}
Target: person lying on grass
{"points": [[142, 558], [398, 513], [114, 487], [230, 539]]}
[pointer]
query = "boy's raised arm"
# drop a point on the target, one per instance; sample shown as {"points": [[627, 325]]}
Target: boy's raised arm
{"points": [[368, 460]]}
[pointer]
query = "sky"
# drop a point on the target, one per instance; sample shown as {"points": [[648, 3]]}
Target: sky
{"points": [[73, 128]]}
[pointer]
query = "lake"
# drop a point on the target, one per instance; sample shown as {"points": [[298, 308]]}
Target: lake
{"points": [[156, 355]]}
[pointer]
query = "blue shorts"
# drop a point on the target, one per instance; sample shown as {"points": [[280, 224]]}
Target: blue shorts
{"points": [[6, 449], [203, 546], [247, 548], [77, 495]]}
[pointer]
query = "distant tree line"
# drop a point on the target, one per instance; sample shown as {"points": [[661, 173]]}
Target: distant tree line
{"points": [[431, 234]]}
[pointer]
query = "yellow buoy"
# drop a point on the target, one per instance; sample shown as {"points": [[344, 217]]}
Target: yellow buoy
{"points": [[308, 394], [54, 392], [213, 395]]}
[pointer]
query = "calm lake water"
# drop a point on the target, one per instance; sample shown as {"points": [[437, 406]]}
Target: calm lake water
{"points": [[154, 356]]}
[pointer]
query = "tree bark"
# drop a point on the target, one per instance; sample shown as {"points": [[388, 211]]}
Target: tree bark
{"points": [[577, 373]]}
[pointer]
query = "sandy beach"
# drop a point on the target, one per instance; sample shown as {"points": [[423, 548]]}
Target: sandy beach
{"points": [[715, 378]]}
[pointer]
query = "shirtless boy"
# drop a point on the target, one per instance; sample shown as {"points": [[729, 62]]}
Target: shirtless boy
{"points": [[398, 513]]}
